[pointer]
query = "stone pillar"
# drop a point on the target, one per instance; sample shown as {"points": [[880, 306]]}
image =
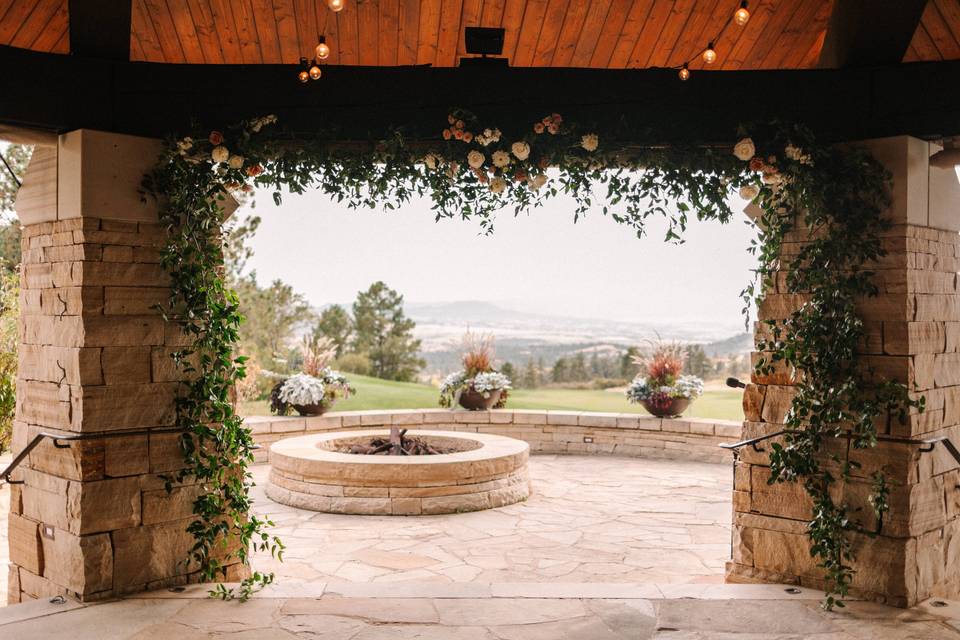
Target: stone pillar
{"points": [[92, 520], [913, 336]]}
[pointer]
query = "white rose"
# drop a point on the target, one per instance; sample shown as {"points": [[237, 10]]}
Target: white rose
{"points": [[521, 150], [590, 142], [500, 158], [235, 162], [220, 154], [744, 150], [475, 159], [430, 160], [771, 178], [749, 191], [498, 185]]}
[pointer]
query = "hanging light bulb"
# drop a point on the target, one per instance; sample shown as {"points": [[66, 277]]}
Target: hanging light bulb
{"points": [[709, 55], [304, 75], [684, 72], [335, 5], [741, 15], [314, 72], [323, 51]]}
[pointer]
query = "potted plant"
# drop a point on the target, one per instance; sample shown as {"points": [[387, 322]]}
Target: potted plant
{"points": [[660, 386], [315, 390], [478, 386]]}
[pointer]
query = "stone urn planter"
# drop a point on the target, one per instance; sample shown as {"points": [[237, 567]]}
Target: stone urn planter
{"points": [[673, 409], [474, 401], [312, 409]]}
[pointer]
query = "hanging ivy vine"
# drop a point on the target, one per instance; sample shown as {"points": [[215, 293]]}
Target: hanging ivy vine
{"points": [[828, 199]]}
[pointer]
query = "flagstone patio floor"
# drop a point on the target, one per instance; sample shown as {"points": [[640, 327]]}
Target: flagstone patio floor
{"points": [[604, 549]]}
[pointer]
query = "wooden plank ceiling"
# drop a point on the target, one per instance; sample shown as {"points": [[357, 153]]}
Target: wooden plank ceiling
{"points": [[781, 34]]}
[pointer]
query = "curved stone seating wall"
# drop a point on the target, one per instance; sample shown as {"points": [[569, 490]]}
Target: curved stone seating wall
{"points": [[547, 432]]}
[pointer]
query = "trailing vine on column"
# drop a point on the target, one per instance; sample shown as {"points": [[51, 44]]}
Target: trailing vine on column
{"points": [[832, 198]]}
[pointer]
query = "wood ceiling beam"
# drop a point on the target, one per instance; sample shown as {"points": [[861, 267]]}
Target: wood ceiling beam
{"points": [[652, 106], [100, 28], [863, 33]]}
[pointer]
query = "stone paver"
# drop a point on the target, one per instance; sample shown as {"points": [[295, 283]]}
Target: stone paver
{"points": [[589, 520], [191, 616]]}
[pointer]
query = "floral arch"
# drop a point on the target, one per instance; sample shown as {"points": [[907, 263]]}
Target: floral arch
{"points": [[830, 198]]}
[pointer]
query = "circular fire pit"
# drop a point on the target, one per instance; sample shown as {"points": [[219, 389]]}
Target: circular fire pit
{"points": [[481, 471]]}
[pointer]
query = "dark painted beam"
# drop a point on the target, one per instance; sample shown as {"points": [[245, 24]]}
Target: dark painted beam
{"points": [[642, 106], [100, 29], [864, 33]]}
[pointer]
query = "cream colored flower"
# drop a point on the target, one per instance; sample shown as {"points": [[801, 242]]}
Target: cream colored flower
{"points": [[500, 158], [796, 153], [771, 178], [521, 150], [235, 162], [184, 145], [744, 150], [431, 161], [537, 181], [475, 159], [498, 185], [220, 154], [749, 192], [590, 142]]}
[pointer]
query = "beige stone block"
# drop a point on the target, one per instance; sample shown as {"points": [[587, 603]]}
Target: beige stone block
{"points": [[776, 403], [23, 539], [116, 253], [947, 369], [938, 308], [125, 456], [44, 403], [103, 505], [98, 174], [563, 418], [126, 365], [13, 584], [123, 331], [81, 460], [148, 553], [165, 452], [501, 416], [907, 159], [70, 365], [728, 429], [161, 506], [110, 407], [405, 506], [83, 564], [908, 338], [71, 301], [138, 300]]}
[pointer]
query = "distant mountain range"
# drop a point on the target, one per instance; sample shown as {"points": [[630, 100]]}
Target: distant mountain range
{"points": [[523, 335]]}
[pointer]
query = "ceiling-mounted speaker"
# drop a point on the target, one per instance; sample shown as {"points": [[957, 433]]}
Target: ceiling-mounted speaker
{"points": [[484, 41]]}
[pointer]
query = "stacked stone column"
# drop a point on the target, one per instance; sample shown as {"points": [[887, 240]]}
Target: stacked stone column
{"points": [[92, 519], [913, 336]]}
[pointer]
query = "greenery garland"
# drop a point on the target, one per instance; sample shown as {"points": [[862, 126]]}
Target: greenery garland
{"points": [[471, 171]]}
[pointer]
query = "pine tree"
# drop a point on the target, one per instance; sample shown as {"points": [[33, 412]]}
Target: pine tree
{"points": [[384, 334], [560, 370], [578, 368], [508, 370], [335, 323]]}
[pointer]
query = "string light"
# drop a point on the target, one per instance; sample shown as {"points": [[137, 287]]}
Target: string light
{"points": [[335, 5], [303, 76], [322, 51], [314, 72], [742, 15], [709, 54]]}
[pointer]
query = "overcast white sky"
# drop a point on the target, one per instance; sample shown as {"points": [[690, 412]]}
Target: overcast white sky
{"points": [[541, 262]]}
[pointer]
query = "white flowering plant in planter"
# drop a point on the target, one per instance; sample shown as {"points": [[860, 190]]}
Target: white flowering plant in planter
{"points": [[478, 382], [317, 388], [661, 381]]}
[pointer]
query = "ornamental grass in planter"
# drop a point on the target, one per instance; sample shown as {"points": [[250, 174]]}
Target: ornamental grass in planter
{"points": [[315, 390], [478, 386], [660, 386]]}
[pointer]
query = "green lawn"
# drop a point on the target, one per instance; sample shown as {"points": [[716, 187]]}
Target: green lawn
{"points": [[373, 393]]}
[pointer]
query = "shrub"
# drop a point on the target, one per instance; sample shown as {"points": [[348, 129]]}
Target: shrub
{"points": [[354, 363], [9, 312]]}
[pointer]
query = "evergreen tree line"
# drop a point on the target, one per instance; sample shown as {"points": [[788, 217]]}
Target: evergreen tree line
{"points": [[594, 370]]}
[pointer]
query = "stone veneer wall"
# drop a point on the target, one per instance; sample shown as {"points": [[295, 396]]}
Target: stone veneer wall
{"points": [[913, 336], [546, 431], [93, 520]]}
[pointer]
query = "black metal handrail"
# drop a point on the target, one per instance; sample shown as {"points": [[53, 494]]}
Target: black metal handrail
{"points": [[926, 444], [60, 438]]}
